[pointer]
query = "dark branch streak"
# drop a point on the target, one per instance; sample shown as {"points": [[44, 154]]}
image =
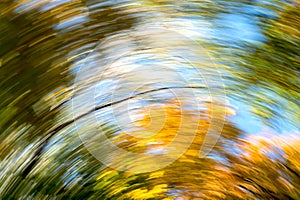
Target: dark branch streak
{"points": [[53, 132]]}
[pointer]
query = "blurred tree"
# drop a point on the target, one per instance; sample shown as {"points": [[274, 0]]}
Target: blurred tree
{"points": [[189, 176], [36, 54], [267, 167], [41, 158], [270, 70]]}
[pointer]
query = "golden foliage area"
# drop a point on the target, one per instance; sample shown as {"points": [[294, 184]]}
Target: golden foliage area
{"points": [[159, 125], [190, 176], [268, 166]]}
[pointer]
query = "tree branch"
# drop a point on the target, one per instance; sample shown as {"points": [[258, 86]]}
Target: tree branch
{"points": [[54, 131]]}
